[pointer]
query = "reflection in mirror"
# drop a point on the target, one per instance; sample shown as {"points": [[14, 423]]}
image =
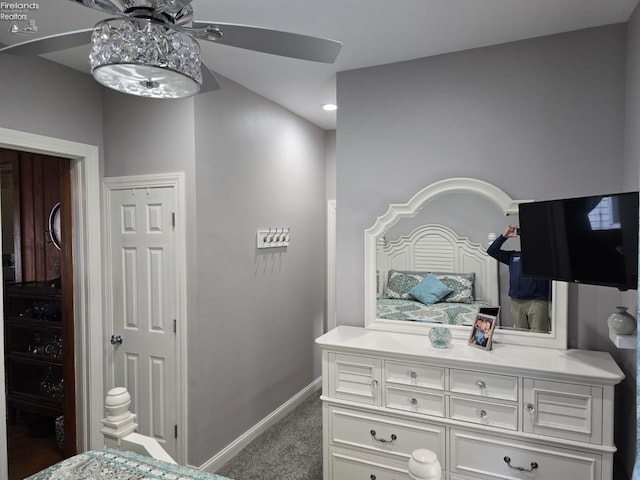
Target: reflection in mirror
{"points": [[445, 230], [529, 298]]}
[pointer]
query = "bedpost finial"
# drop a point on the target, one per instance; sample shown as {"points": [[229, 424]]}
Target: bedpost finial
{"points": [[117, 401], [119, 421]]}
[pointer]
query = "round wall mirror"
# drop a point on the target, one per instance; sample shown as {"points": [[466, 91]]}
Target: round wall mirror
{"points": [[54, 226]]}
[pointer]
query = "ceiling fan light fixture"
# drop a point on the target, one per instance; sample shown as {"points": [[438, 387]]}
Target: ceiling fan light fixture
{"points": [[144, 57]]}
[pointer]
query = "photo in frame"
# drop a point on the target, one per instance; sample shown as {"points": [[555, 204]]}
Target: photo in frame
{"points": [[482, 331]]}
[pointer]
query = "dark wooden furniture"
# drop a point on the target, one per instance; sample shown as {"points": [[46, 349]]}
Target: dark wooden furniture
{"points": [[33, 348]]}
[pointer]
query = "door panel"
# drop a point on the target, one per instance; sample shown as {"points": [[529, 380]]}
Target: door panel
{"points": [[144, 306]]}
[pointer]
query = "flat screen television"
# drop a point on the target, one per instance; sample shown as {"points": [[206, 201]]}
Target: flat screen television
{"points": [[591, 240]]}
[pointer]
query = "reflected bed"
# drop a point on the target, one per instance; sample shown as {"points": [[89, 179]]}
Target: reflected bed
{"points": [[443, 313], [437, 255]]}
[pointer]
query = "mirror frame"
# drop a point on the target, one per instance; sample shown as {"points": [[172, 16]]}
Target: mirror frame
{"points": [[557, 338]]}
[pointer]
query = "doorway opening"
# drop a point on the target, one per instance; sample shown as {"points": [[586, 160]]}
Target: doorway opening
{"points": [[38, 311], [85, 243]]}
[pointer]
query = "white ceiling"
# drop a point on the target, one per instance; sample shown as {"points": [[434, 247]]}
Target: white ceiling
{"points": [[373, 32]]}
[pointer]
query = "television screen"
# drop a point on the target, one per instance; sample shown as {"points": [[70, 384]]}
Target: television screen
{"points": [[590, 240]]}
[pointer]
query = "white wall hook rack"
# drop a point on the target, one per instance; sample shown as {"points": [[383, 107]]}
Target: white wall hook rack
{"points": [[273, 237]]}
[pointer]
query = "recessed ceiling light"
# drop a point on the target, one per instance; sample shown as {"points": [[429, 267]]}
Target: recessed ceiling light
{"points": [[329, 107]]}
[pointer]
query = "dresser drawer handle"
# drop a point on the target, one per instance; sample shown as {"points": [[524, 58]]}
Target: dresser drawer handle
{"points": [[483, 414], [481, 384], [534, 465], [374, 384], [372, 477], [382, 440], [530, 408]]}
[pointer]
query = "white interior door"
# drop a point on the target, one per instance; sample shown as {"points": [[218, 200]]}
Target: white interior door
{"points": [[144, 295]]}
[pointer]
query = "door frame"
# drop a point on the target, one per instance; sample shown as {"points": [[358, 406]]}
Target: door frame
{"points": [[177, 182], [87, 281], [331, 264]]}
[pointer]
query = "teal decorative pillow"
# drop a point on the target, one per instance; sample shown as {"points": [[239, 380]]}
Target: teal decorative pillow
{"points": [[430, 290], [462, 285], [399, 283]]}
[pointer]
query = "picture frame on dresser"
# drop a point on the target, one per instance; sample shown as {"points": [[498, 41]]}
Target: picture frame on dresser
{"points": [[482, 331]]}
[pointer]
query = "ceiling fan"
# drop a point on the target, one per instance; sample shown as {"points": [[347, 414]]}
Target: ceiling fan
{"points": [[150, 48]]}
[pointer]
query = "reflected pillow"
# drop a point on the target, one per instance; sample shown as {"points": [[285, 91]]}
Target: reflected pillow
{"points": [[462, 285], [430, 290], [399, 283]]}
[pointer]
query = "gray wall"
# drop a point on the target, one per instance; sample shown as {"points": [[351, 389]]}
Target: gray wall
{"points": [[258, 310], [67, 105], [542, 118], [144, 136], [632, 119]]}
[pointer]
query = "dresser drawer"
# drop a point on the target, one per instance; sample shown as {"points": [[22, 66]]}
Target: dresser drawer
{"points": [[426, 403], [563, 410], [383, 434], [482, 456], [414, 375], [351, 466], [483, 412], [501, 387], [355, 378]]}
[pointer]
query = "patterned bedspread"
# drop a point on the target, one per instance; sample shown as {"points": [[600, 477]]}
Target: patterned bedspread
{"points": [[442, 312], [116, 465]]}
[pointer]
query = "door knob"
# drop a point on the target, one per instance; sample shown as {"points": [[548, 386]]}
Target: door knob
{"points": [[116, 340]]}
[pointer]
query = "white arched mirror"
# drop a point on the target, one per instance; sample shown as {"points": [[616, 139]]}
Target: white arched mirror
{"points": [[446, 227]]}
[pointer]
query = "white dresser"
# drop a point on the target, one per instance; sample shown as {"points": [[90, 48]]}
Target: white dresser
{"points": [[510, 413]]}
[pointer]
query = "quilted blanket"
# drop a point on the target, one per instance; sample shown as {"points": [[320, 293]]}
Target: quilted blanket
{"points": [[116, 465], [443, 313]]}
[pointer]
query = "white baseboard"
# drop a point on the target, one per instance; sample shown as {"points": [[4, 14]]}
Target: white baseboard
{"points": [[231, 450]]}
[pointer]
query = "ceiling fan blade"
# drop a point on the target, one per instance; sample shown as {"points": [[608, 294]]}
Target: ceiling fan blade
{"points": [[266, 40], [102, 5], [209, 81], [51, 43]]}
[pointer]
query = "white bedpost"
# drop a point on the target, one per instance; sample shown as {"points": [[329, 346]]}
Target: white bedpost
{"points": [[120, 424], [424, 465], [119, 421]]}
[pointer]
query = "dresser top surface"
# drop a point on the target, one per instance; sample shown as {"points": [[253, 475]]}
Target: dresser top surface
{"points": [[502, 358]]}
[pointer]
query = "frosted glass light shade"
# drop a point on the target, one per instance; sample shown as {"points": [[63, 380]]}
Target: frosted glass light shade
{"points": [[145, 58]]}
